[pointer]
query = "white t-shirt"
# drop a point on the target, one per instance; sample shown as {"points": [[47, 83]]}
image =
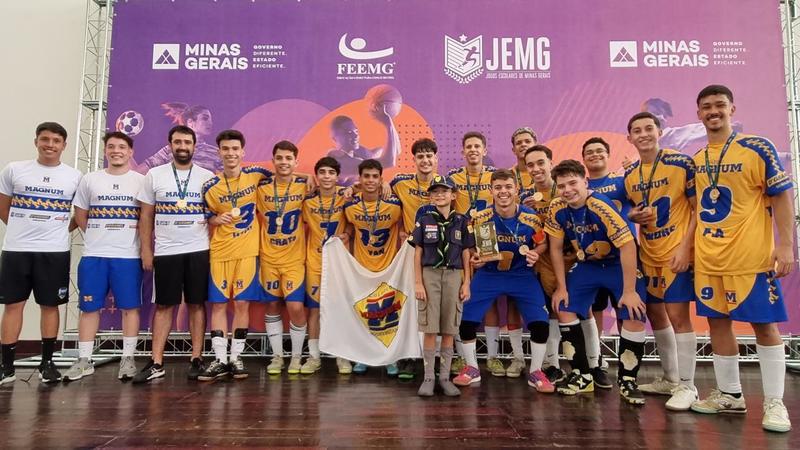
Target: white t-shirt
{"points": [[177, 230], [41, 198], [113, 228]]}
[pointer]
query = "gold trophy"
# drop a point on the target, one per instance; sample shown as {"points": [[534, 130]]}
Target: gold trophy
{"points": [[486, 242]]}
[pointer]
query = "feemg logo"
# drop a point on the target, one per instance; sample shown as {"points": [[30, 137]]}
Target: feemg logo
{"points": [[166, 56], [623, 54], [366, 67]]}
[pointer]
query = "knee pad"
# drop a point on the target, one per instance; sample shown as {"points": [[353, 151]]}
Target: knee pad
{"points": [[540, 331], [468, 330]]}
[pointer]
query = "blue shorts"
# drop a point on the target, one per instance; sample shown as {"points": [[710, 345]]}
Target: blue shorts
{"points": [[752, 298], [666, 286], [586, 279], [96, 276], [521, 286]]}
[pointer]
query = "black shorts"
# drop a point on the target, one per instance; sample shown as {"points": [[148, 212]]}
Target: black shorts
{"points": [[602, 298], [183, 276], [44, 273]]}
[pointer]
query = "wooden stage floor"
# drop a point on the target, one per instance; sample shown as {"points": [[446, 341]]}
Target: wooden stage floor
{"points": [[328, 410]]}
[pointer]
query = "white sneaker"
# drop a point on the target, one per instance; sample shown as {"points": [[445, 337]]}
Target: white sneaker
{"points": [[294, 365], [682, 398], [659, 386], [344, 366], [83, 367], [776, 418], [718, 402]]}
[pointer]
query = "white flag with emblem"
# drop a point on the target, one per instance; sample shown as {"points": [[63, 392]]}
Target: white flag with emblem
{"points": [[368, 317]]}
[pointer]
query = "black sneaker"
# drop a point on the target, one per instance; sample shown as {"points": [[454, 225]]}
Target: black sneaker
{"points": [[150, 372], [48, 372], [629, 391], [237, 369], [601, 378], [555, 374], [196, 367], [216, 369], [7, 375], [575, 383], [406, 369]]}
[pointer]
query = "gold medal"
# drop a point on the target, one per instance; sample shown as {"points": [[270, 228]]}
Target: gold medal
{"points": [[714, 194], [236, 212], [279, 221], [524, 249], [182, 203], [373, 240], [581, 255], [538, 196], [471, 213]]}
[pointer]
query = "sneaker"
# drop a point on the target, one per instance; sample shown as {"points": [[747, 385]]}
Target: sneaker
{"points": [[449, 388], [719, 402], [275, 366], [127, 368], [311, 365], [600, 378], [575, 383], [630, 392], [215, 370], [295, 363], [392, 370], [196, 367], [603, 363], [48, 372], [496, 367], [682, 398], [776, 418], [83, 367], [7, 375], [150, 372], [516, 368], [406, 367], [468, 375], [237, 370], [457, 365], [344, 366], [359, 368], [555, 374], [659, 386], [539, 380], [426, 388]]}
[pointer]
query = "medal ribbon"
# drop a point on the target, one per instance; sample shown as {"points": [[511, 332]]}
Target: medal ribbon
{"points": [[182, 190], [328, 213], [470, 191], [578, 235], [373, 222], [233, 198], [514, 233], [713, 178], [649, 184], [281, 205]]}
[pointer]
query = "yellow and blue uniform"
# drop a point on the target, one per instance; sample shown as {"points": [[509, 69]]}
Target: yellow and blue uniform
{"points": [[598, 230], [283, 239], [375, 243], [671, 186], [413, 195], [613, 187], [478, 186], [234, 246], [734, 241], [510, 276], [524, 183], [323, 216]]}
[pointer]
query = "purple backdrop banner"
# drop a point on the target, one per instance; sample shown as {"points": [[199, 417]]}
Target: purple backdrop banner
{"points": [[570, 69]]}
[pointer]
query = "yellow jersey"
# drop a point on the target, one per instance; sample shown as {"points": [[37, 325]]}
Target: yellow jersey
{"points": [[283, 241], [474, 191], [412, 193], [376, 232], [238, 239], [671, 185], [323, 216], [734, 223], [524, 183], [541, 206]]}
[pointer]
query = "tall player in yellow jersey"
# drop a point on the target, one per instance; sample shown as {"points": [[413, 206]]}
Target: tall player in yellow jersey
{"points": [[230, 201], [661, 185], [412, 188], [473, 193], [521, 140], [283, 254], [376, 225], [741, 186], [322, 213]]}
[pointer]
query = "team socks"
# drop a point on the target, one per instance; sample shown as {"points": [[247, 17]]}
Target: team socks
{"points": [[220, 345], [238, 342], [48, 345], [492, 340], [631, 350], [515, 337], [667, 346], [772, 361], [574, 346], [274, 326], [726, 370], [592, 338], [313, 348], [128, 345], [298, 335], [687, 356], [553, 340]]}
